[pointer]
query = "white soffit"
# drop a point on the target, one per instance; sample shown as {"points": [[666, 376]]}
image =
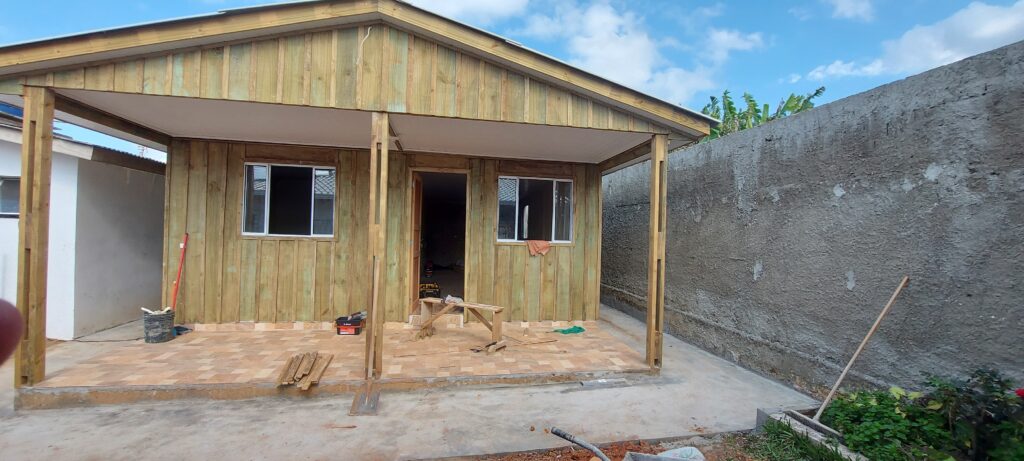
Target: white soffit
{"points": [[285, 124]]}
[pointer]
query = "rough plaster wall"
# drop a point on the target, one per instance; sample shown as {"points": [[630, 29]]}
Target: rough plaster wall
{"points": [[119, 245], [785, 241]]}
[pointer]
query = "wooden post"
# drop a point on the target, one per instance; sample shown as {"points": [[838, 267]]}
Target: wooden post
{"points": [[377, 242], [33, 233], [656, 255]]}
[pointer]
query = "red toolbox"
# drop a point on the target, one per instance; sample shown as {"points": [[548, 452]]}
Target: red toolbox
{"points": [[350, 325]]}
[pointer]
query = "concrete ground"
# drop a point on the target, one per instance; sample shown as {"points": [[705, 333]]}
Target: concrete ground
{"points": [[696, 393]]}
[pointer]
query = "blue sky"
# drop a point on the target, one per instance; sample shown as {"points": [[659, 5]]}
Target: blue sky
{"points": [[680, 50]]}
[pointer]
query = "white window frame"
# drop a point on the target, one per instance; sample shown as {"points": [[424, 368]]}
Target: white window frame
{"points": [[554, 207], [16, 214], [266, 201]]}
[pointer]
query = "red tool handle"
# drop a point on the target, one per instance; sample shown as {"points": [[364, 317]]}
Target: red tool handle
{"points": [[181, 265]]}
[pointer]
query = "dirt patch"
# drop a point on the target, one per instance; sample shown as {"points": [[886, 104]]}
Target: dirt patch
{"points": [[723, 448]]}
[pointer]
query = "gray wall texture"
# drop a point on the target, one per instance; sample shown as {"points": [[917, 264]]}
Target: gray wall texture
{"points": [[786, 240]]}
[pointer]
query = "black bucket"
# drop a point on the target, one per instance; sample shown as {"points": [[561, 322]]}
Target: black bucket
{"points": [[159, 327]]}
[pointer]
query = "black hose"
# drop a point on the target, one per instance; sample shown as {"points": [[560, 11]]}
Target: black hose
{"points": [[580, 442]]}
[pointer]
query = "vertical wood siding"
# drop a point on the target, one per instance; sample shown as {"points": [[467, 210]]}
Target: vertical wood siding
{"points": [[231, 278], [371, 67]]}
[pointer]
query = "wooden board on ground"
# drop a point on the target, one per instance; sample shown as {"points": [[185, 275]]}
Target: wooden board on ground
{"points": [[304, 370]]}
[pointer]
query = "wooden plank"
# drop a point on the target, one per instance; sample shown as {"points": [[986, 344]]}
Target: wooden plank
{"points": [[323, 289], [287, 293], [293, 69], [322, 362], [580, 111], [266, 64], [514, 105], [593, 243], [185, 74], [250, 261], [99, 78], [487, 231], [371, 85], [211, 73], [175, 215], [232, 268], [468, 87], [656, 255], [549, 263], [397, 69], [128, 76], [305, 274], [321, 68], [473, 218], [421, 79], [579, 235], [558, 107], [72, 78], [445, 91], [346, 71], [518, 283], [240, 70], [216, 178], [347, 208], [288, 371], [491, 92], [563, 300], [620, 120], [600, 116], [191, 294], [154, 75], [377, 238], [502, 283], [537, 102], [395, 268], [533, 287], [535, 168], [266, 286], [33, 234]]}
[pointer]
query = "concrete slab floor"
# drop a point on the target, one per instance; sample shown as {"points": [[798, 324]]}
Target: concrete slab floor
{"points": [[696, 393]]}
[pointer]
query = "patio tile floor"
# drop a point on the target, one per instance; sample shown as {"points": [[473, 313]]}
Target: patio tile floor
{"points": [[238, 357]]}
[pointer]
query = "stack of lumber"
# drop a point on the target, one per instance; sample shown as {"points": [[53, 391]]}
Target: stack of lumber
{"points": [[304, 370]]}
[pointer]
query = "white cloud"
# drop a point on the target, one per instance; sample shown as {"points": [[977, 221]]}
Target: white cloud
{"points": [[722, 42], [977, 28], [852, 9], [615, 44], [478, 11]]}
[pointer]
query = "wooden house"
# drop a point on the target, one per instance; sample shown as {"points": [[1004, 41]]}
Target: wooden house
{"points": [[298, 138]]}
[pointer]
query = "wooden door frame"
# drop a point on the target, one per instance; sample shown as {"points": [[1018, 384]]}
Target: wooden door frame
{"points": [[414, 268]]}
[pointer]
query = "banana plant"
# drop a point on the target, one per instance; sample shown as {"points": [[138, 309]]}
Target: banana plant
{"points": [[732, 119]]}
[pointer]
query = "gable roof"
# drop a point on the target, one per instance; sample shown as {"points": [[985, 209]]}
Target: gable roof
{"points": [[249, 23]]}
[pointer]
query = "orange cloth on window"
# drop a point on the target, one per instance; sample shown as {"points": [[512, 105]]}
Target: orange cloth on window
{"points": [[541, 247]]}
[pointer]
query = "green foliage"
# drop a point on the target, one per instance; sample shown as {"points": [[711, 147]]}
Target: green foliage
{"points": [[733, 119], [978, 418], [778, 442], [985, 418]]}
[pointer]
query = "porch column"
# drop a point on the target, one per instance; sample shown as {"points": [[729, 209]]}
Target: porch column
{"points": [[656, 255], [377, 240], [33, 233]]}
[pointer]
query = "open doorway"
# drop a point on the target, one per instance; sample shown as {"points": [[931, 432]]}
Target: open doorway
{"points": [[440, 228]]}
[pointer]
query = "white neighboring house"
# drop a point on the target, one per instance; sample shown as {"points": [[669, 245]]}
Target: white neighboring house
{"points": [[106, 233]]}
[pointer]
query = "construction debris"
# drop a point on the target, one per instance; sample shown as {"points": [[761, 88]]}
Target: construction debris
{"points": [[304, 370]]}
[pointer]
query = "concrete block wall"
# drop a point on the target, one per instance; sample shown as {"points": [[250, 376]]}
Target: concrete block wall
{"points": [[785, 241]]}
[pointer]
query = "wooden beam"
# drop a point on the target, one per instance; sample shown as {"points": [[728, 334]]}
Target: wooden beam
{"points": [[656, 255], [71, 107], [33, 233], [633, 155], [377, 236]]}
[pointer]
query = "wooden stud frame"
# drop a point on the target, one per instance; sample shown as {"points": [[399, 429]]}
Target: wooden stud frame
{"points": [[33, 233], [656, 255]]}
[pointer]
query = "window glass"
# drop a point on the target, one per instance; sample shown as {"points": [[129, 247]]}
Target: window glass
{"points": [[289, 200], [563, 210], [534, 209], [10, 191], [507, 192], [255, 199], [323, 201]]}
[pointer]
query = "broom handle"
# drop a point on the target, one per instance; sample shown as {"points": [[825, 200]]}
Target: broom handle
{"points": [[878, 321], [177, 280]]}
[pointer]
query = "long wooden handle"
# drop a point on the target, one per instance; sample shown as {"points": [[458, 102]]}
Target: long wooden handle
{"points": [[878, 321]]}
